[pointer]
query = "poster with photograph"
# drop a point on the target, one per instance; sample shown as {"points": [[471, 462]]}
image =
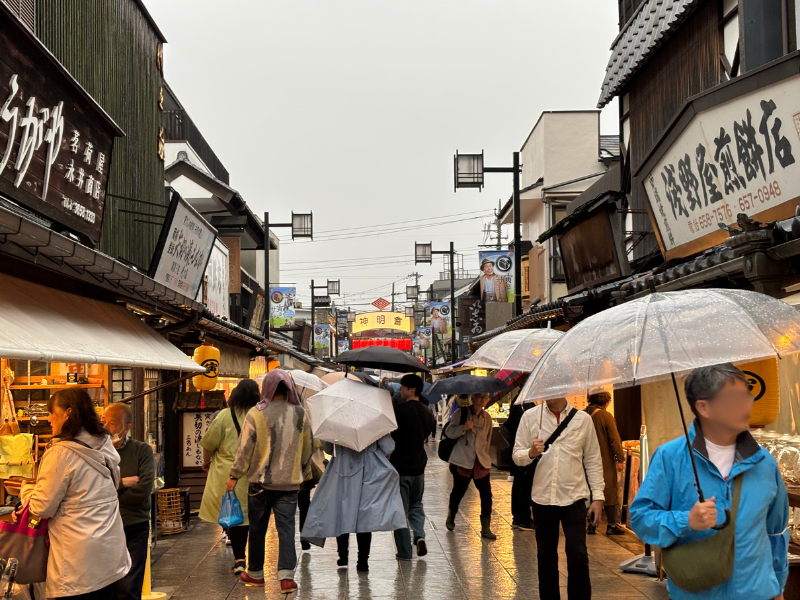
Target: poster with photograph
{"points": [[440, 315], [421, 340], [497, 275], [281, 306], [322, 340], [342, 346]]}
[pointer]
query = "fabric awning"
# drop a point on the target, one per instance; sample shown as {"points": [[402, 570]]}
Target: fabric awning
{"points": [[43, 324]]}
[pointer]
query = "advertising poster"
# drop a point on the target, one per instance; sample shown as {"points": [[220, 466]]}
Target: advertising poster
{"points": [[342, 346], [281, 306], [322, 340], [440, 319], [497, 275], [421, 340], [214, 293]]}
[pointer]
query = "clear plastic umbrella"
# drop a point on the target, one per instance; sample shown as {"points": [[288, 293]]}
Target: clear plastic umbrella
{"points": [[307, 384], [663, 335], [517, 350], [352, 414]]}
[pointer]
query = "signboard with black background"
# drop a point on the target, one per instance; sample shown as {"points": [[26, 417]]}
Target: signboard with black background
{"points": [[55, 141]]}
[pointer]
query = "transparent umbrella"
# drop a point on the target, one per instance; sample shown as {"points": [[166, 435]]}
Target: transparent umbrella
{"points": [[307, 384], [663, 335], [517, 350]]}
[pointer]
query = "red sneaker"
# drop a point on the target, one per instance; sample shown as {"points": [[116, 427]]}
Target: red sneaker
{"points": [[247, 580], [288, 586]]}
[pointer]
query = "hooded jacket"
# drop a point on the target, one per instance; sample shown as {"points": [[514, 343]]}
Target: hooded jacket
{"points": [[660, 513], [77, 491]]}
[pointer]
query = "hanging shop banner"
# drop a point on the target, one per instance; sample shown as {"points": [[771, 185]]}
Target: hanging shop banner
{"points": [[281, 306], [440, 319], [214, 293], [342, 346], [764, 382], [55, 140], [322, 340], [473, 317], [382, 320], [183, 249], [741, 156], [195, 425], [421, 339], [497, 276], [258, 310]]}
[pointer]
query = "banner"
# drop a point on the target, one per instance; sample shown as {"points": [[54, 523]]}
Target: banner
{"points": [[497, 275], [215, 291], [421, 340], [440, 319], [473, 317], [342, 346], [281, 306], [322, 340], [382, 320]]}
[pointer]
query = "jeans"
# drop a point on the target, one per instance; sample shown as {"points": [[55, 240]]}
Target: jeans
{"points": [[136, 538], [284, 506], [412, 487], [573, 520], [460, 485], [107, 593], [364, 541], [238, 537], [521, 495]]}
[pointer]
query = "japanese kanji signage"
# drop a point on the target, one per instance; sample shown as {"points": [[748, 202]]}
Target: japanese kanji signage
{"points": [[738, 157], [382, 320], [214, 292], [183, 249], [473, 317], [55, 141], [195, 425]]}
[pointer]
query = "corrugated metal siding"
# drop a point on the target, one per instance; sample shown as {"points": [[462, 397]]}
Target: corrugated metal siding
{"points": [[25, 10], [110, 48], [687, 65]]}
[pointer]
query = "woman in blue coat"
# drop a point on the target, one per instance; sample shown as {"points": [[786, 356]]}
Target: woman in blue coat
{"points": [[359, 492]]}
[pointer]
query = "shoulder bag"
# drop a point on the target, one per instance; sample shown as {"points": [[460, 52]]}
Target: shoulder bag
{"points": [[706, 563], [530, 471], [236, 423], [27, 543], [447, 444]]}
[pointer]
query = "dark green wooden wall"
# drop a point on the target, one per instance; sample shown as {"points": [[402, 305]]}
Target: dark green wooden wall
{"points": [[110, 47]]}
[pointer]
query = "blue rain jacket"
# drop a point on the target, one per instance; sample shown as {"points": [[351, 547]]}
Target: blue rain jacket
{"points": [[359, 492], [660, 513]]}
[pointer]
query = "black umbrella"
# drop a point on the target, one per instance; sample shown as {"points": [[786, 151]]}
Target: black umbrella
{"points": [[381, 357], [364, 378], [466, 384]]}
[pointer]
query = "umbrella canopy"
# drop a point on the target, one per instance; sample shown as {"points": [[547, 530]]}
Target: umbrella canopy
{"points": [[307, 384], [381, 357], [517, 350], [332, 378], [352, 414], [465, 384], [663, 334]]}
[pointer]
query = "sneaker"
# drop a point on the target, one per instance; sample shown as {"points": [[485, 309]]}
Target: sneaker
{"points": [[422, 547], [523, 526], [247, 580], [288, 586], [342, 563], [228, 542], [305, 545], [614, 529], [591, 530], [402, 558], [238, 567]]}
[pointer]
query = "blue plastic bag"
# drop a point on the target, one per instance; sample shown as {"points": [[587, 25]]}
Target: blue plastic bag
{"points": [[230, 513]]}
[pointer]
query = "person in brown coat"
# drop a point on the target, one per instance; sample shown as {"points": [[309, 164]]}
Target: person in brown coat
{"points": [[612, 455]]}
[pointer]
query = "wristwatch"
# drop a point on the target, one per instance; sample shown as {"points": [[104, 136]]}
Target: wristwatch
{"points": [[34, 522]]}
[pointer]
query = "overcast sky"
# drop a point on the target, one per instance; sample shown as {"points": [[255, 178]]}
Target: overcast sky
{"points": [[353, 109]]}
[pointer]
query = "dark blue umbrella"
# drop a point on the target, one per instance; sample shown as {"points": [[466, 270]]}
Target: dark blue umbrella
{"points": [[466, 384]]}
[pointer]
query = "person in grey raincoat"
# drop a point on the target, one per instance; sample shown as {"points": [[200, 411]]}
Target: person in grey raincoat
{"points": [[359, 492]]}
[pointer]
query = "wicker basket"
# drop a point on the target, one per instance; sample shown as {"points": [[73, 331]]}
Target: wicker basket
{"points": [[169, 511]]}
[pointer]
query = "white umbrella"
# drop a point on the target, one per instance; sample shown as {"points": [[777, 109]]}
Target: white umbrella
{"points": [[307, 380], [352, 414], [517, 350]]}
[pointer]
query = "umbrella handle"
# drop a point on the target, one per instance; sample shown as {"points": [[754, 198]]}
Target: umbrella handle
{"points": [[726, 523]]}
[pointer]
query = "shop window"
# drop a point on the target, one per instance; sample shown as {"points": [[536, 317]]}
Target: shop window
{"points": [[121, 384]]}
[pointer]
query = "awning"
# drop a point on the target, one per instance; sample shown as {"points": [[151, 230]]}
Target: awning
{"points": [[42, 324]]}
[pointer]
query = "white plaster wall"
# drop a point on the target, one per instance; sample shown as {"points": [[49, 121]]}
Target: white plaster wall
{"points": [[171, 150], [572, 145]]}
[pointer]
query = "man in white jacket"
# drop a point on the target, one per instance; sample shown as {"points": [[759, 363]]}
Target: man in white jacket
{"points": [[568, 474]]}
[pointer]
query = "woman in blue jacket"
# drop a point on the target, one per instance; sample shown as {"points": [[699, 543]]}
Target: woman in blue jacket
{"points": [[666, 510]]}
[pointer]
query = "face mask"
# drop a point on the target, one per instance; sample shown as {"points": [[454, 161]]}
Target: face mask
{"points": [[116, 438]]}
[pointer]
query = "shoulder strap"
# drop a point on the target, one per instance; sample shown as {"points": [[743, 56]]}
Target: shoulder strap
{"points": [[737, 490], [236, 422], [560, 429]]}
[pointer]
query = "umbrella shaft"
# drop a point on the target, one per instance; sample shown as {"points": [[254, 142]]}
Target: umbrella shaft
{"points": [[688, 442]]}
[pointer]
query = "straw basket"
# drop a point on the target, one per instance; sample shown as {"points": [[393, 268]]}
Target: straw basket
{"points": [[169, 511]]}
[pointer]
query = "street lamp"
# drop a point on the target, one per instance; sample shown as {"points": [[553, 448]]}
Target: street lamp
{"points": [[302, 225], [412, 292], [410, 311], [333, 287], [468, 173], [351, 316], [423, 253]]}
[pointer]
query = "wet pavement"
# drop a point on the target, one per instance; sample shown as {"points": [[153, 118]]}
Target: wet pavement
{"points": [[459, 565]]}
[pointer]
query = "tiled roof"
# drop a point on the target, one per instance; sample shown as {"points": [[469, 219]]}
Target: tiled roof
{"points": [[609, 146], [643, 34]]}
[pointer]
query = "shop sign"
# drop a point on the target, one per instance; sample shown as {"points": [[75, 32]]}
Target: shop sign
{"points": [[497, 276], [214, 294], [183, 249], [473, 317], [382, 320], [195, 425], [738, 157], [55, 141], [281, 306], [440, 319]]}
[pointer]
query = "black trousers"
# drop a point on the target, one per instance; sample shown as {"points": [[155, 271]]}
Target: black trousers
{"points": [[573, 520], [460, 485], [238, 537], [136, 537], [303, 502], [521, 495], [364, 541], [107, 593]]}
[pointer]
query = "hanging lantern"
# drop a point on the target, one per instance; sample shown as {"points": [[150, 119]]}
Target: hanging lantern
{"points": [[764, 382], [206, 356]]}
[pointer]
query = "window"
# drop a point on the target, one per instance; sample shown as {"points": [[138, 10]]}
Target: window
{"points": [[121, 384], [730, 57], [556, 266]]}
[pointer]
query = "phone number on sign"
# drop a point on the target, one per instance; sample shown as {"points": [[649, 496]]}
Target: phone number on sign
{"points": [[763, 195], [722, 213], [78, 209]]}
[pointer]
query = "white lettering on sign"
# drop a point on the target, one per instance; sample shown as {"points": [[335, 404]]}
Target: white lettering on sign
{"points": [[78, 209], [739, 157]]}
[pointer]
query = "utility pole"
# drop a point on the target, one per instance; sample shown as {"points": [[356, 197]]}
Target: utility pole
{"points": [[313, 344], [392, 296]]}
